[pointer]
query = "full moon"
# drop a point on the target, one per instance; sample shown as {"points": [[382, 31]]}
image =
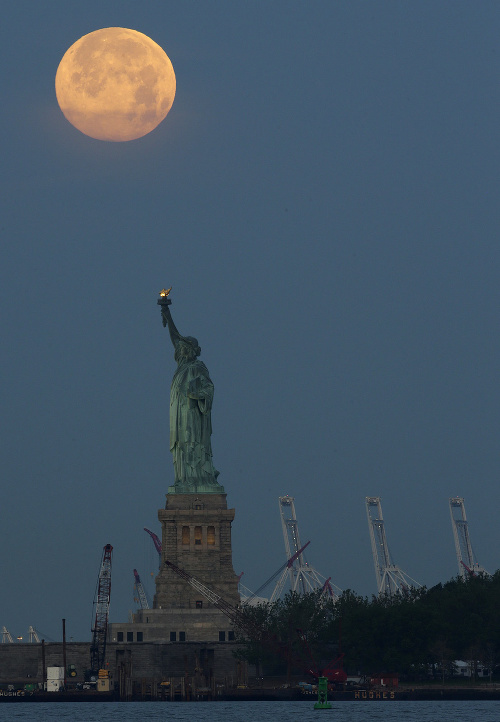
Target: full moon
{"points": [[115, 84]]}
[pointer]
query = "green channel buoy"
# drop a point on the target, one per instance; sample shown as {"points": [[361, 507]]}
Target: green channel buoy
{"points": [[322, 702]]}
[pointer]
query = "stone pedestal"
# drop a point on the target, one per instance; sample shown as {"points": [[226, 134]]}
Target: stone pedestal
{"points": [[196, 536]]}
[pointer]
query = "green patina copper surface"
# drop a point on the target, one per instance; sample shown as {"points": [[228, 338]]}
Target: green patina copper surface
{"points": [[191, 397]]}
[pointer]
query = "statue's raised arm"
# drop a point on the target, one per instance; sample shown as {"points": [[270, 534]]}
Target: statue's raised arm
{"points": [[166, 316], [167, 319]]}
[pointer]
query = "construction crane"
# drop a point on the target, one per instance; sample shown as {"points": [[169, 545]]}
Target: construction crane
{"points": [[141, 592], [6, 636], [468, 566], [33, 634], [284, 572], [390, 578], [257, 633], [156, 542], [303, 578], [333, 671], [101, 605]]}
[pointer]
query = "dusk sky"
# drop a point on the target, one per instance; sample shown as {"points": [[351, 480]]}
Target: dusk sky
{"points": [[324, 199]]}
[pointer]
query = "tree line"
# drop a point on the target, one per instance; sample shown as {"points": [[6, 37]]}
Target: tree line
{"points": [[415, 633]]}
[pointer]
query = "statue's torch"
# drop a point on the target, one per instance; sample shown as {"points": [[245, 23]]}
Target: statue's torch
{"points": [[164, 302]]}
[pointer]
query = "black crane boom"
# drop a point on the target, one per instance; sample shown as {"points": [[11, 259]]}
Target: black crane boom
{"points": [[101, 605], [251, 629]]}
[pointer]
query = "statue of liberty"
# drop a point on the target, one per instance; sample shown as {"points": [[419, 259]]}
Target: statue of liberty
{"points": [[191, 397]]}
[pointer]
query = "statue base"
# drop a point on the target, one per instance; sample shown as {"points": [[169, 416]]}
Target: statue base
{"points": [[196, 536], [196, 487]]}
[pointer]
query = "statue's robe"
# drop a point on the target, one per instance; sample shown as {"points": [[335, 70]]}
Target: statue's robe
{"points": [[191, 424]]}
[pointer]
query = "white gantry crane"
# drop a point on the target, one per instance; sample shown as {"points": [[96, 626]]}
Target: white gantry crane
{"points": [[302, 577], [6, 636], [390, 578], [33, 635], [468, 566]]}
